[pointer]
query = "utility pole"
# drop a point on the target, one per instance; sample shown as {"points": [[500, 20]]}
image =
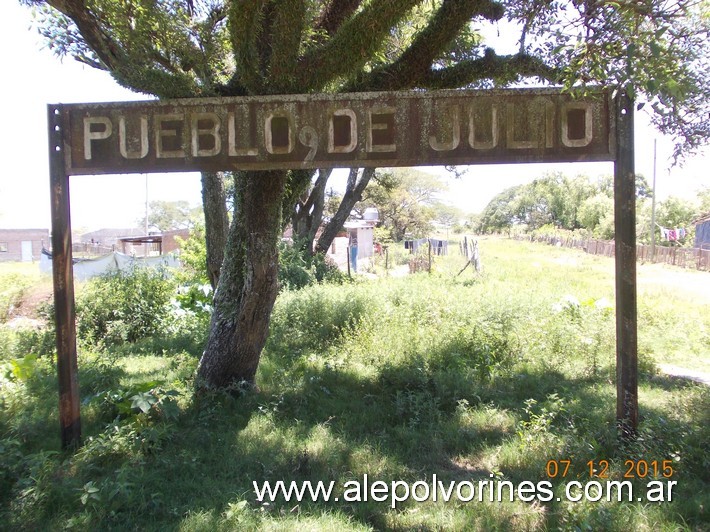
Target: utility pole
{"points": [[653, 206], [146, 204]]}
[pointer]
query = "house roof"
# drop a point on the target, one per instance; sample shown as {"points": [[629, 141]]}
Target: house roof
{"points": [[359, 224], [115, 233], [703, 218], [18, 231]]}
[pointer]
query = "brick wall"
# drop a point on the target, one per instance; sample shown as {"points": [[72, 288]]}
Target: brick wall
{"points": [[11, 243], [170, 243]]}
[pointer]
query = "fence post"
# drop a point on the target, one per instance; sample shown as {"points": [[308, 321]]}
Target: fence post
{"points": [[430, 255]]}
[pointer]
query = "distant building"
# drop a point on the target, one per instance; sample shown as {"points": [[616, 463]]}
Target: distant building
{"points": [[22, 244], [171, 239], [152, 245], [109, 237], [361, 236], [702, 232]]}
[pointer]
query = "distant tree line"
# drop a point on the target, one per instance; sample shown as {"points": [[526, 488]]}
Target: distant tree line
{"points": [[586, 205]]}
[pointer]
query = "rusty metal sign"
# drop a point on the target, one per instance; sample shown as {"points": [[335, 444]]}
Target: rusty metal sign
{"points": [[343, 130], [340, 130]]}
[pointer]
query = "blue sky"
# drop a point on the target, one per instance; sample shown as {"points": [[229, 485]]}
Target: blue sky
{"points": [[33, 77]]}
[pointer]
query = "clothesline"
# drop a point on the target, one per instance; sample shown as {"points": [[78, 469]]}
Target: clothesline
{"points": [[672, 234]]}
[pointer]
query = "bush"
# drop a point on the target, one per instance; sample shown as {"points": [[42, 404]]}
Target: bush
{"points": [[193, 257], [39, 341], [124, 306], [298, 268], [12, 288]]}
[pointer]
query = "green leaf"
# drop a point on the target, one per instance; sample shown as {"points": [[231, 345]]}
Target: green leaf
{"points": [[146, 386], [23, 368], [143, 401], [170, 409], [655, 49]]}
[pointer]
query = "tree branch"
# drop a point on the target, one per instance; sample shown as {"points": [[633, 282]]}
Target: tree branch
{"points": [[354, 44], [500, 69], [103, 46], [353, 194], [430, 43], [289, 19], [334, 14], [162, 82], [245, 28], [307, 219]]}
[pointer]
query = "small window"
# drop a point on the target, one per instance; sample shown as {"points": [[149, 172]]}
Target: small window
{"points": [[3, 247]]}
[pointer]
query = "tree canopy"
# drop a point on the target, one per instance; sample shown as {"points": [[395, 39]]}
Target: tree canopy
{"points": [[406, 200], [187, 48], [656, 49], [167, 215], [581, 203]]}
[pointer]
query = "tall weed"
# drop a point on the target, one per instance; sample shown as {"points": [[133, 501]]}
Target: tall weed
{"points": [[12, 287], [124, 306]]}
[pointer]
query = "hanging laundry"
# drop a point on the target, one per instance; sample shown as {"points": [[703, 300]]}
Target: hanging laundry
{"points": [[681, 232], [672, 236]]}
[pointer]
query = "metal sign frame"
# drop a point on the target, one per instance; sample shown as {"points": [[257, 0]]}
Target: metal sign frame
{"points": [[459, 127]]}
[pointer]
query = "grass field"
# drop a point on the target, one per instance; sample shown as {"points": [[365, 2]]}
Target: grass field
{"points": [[471, 378]]}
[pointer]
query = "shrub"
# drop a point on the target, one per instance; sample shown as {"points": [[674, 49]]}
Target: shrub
{"points": [[21, 341], [193, 257], [39, 341], [124, 306], [12, 288], [317, 316], [298, 268]]}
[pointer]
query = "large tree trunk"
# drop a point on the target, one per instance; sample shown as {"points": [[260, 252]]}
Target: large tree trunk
{"points": [[248, 284], [216, 222]]}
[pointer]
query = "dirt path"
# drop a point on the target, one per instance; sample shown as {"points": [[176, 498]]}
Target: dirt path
{"points": [[684, 373], [691, 284]]}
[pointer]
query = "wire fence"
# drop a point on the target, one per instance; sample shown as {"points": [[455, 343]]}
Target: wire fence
{"points": [[694, 258]]}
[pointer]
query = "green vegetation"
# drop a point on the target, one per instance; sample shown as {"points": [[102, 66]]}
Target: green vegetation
{"points": [[656, 54], [124, 306], [298, 268], [585, 207], [407, 201], [16, 279], [397, 378], [168, 215]]}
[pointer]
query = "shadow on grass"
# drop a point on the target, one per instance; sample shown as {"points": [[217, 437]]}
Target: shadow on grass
{"points": [[406, 422]]}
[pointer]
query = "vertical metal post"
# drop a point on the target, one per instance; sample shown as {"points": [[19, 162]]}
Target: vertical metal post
{"points": [[653, 207], [146, 205], [69, 418], [625, 249]]}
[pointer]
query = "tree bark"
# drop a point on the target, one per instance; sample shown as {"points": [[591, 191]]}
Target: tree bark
{"points": [[309, 214], [216, 222], [353, 194], [248, 284]]}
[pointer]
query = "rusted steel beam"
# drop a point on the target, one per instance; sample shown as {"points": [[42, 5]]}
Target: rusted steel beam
{"points": [[339, 130], [342, 130], [625, 258], [69, 418]]}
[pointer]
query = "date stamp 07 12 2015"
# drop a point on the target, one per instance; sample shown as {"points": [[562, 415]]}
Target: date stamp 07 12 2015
{"points": [[633, 469]]}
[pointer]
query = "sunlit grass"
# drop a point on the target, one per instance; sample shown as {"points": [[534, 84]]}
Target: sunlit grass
{"points": [[470, 378]]}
